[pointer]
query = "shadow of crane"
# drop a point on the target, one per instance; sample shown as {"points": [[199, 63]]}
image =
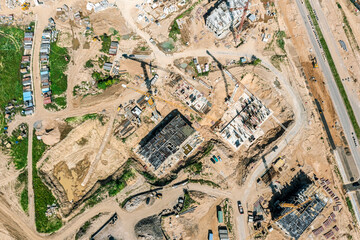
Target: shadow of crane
{"points": [[232, 29], [220, 66]]}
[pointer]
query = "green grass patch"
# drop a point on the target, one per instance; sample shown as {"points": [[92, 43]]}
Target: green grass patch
{"points": [[276, 60], [19, 146], [192, 64], [51, 106], [42, 194], [105, 43], [175, 30], [86, 226], [58, 59], [60, 101], [110, 188], [114, 187], [195, 168], [149, 177], [188, 202], [208, 149], [11, 42], [350, 207], [348, 30], [102, 60], [22, 186], [280, 35], [81, 119], [89, 64], [24, 199], [104, 80], [334, 71], [204, 182]]}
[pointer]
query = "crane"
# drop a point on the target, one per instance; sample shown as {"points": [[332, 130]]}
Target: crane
{"points": [[294, 207], [150, 98], [242, 21], [284, 205]]}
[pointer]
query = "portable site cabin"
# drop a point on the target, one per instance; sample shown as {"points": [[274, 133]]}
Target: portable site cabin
{"points": [[220, 214], [27, 96]]}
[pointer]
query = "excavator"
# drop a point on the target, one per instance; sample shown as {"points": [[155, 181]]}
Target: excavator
{"points": [[25, 6]]}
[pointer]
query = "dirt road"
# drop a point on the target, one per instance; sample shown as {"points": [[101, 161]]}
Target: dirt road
{"points": [[129, 220], [30, 179]]}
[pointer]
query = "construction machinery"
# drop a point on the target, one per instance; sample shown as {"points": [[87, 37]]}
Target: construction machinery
{"points": [[314, 62], [242, 22], [283, 205], [96, 38], [149, 97], [25, 6], [293, 206]]}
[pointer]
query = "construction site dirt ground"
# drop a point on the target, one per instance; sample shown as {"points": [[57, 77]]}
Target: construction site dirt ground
{"points": [[312, 154], [351, 57], [195, 224], [309, 151], [317, 88]]}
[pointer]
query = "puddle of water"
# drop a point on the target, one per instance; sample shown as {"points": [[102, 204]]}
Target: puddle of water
{"points": [[168, 46], [75, 44]]}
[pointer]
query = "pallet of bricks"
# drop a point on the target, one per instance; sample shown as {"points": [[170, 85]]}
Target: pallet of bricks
{"points": [[325, 185]]}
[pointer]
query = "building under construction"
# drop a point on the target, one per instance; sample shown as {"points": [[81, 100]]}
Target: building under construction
{"points": [[242, 122], [166, 138], [300, 210], [225, 16]]}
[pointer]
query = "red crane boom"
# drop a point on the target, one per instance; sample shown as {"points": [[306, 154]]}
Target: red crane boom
{"points": [[242, 21]]}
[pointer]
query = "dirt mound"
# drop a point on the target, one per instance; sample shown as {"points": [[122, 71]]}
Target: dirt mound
{"points": [[48, 131], [69, 161], [149, 228]]}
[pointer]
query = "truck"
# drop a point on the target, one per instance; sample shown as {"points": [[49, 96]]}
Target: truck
{"points": [[216, 160], [211, 236], [241, 209]]}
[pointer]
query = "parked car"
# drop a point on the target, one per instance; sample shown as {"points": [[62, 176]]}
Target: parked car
{"points": [[241, 209]]}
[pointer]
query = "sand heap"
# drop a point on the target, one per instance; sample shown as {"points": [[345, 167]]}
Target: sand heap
{"points": [[48, 131]]}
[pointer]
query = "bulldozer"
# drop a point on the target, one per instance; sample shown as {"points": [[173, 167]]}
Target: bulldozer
{"points": [[25, 6]]}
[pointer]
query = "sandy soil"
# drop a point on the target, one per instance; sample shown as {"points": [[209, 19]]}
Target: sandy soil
{"points": [[194, 225]]}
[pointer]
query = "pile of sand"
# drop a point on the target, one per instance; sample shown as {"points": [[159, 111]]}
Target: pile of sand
{"points": [[48, 131]]}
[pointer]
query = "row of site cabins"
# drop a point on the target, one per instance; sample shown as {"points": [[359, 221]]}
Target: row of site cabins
{"points": [[112, 51], [26, 74], [46, 39]]}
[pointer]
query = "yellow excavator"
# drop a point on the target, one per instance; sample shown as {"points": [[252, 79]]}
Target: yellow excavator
{"points": [[25, 6]]}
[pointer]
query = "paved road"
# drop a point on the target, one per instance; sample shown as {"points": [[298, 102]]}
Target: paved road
{"points": [[237, 193], [331, 84], [335, 96], [338, 59]]}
